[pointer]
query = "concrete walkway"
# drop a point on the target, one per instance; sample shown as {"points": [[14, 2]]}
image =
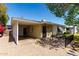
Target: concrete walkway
{"points": [[28, 47]]}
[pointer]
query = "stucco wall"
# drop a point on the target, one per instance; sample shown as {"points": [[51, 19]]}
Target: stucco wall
{"points": [[37, 30], [49, 30], [15, 32], [33, 30], [29, 29], [20, 30], [54, 30]]}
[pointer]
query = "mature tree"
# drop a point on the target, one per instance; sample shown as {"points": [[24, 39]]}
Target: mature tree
{"points": [[3, 15], [70, 12]]}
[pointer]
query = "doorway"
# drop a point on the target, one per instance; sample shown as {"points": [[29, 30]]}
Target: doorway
{"points": [[24, 32], [44, 31]]}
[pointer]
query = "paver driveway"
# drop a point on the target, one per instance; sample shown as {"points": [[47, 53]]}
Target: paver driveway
{"points": [[28, 47]]}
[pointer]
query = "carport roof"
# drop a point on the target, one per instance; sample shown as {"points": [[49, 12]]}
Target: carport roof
{"points": [[28, 21]]}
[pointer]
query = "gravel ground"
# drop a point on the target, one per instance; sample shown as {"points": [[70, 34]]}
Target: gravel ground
{"points": [[28, 47]]}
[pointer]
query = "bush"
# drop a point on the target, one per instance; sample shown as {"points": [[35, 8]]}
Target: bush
{"points": [[77, 33], [76, 41], [76, 37], [66, 34]]}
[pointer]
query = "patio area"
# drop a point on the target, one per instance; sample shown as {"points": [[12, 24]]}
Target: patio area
{"points": [[29, 47]]}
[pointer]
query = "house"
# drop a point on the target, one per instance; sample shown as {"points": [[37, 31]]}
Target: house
{"points": [[73, 29], [37, 29], [9, 27]]}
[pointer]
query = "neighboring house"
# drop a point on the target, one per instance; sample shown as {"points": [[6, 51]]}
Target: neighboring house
{"points": [[73, 30], [9, 27], [37, 29]]}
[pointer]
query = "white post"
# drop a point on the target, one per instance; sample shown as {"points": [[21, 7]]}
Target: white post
{"points": [[75, 29], [64, 30], [17, 33]]}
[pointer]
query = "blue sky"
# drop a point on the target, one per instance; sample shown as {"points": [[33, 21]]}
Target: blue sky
{"points": [[32, 11]]}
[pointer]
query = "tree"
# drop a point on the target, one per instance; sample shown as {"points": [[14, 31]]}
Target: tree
{"points": [[70, 12], [3, 15]]}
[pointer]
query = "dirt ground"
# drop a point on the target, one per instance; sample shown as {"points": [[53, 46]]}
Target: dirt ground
{"points": [[28, 47]]}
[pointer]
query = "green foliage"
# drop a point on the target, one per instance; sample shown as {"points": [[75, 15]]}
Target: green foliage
{"points": [[69, 12], [76, 38], [56, 9], [71, 17], [3, 15], [66, 34]]}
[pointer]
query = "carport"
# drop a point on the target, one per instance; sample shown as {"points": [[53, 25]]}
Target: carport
{"points": [[25, 28]]}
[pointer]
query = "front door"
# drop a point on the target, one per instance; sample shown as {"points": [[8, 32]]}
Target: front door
{"points": [[44, 31], [24, 32]]}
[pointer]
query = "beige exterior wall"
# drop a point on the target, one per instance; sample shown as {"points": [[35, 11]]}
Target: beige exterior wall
{"points": [[33, 30], [49, 30], [29, 30], [54, 30], [37, 30], [20, 30]]}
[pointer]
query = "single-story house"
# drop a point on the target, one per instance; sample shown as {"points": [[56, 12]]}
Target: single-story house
{"points": [[30, 28], [72, 29]]}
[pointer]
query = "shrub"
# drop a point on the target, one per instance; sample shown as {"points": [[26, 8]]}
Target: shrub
{"points": [[76, 41], [66, 34], [76, 37], [77, 32]]}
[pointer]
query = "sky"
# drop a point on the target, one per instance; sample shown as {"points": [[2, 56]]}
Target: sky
{"points": [[31, 11]]}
